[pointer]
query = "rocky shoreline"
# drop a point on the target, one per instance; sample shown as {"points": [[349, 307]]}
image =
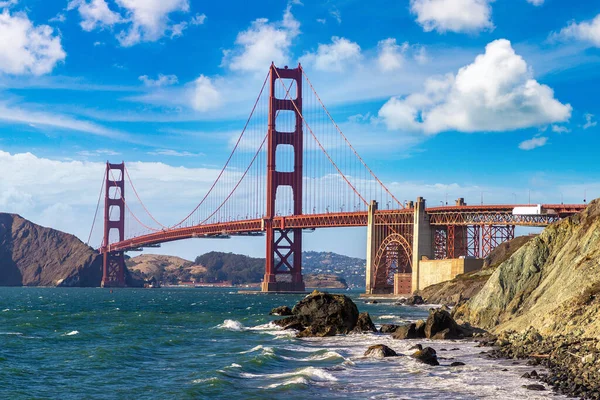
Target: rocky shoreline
{"points": [[573, 363]]}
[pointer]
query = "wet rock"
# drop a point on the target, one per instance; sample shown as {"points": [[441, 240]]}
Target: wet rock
{"points": [[286, 321], [526, 375], [371, 302], [414, 300], [297, 326], [317, 331], [281, 311], [364, 324], [388, 328], [427, 356], [457, 364], [408, 331], [380, 351], [534, 386], [440, 321], [416, 347]]}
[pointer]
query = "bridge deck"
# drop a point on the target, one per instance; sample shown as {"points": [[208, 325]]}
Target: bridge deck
{"points": [[446, 215]]}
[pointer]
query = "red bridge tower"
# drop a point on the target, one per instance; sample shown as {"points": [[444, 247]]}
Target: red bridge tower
{"points": [[113, 267], [284, 246]]}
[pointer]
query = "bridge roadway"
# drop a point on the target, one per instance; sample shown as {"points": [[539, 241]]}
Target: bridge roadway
{"points": [[439, 216]]}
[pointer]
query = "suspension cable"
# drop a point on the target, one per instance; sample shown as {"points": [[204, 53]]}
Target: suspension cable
{"points": [[97, 208], [139, 199]]}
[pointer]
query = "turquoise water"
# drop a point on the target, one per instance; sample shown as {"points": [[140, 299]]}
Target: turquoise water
{"points": [[210, 343]]}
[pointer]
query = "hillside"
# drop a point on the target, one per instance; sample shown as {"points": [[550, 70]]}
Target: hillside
{"points": [[168, 269], [552, 283], [468, 285], [319, 269], [32, 255]]}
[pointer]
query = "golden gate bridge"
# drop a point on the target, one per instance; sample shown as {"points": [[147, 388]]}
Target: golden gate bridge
{"points": [[291, 169]]}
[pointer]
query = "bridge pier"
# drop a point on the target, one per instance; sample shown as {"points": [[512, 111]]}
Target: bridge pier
{"points": [[372, 246], [422, 240]]}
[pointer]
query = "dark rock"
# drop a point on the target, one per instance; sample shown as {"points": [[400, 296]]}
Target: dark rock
{"points": [[406, 332], [380, 351], [414, 300], [286, 321], [440, 321], [417, 346], [326, 314], [388, 328], [526, 375], [281, 310], [317, 331], [444, 335], [534, 374], [364, 324], [420, 328], [457, 364], [534, 386], [426, 355], [297, 326]]}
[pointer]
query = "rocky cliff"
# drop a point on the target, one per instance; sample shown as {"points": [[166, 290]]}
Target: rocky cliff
{"points": [[468, 285], [32, 255], [552, 283], [329, 281]]}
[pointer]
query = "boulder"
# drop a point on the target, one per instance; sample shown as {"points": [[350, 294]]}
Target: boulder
{"points": [[535, 386], [427, 356], [317, 331], [440, 321], [457, 364], [408, 331], [364, 323], [281, 311], [325, 312], [380, 351], [388, 328], [286, 321], [414, 300]]}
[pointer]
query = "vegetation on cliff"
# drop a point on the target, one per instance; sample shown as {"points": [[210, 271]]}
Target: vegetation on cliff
{"points": [[552, 283], [468, 285]]}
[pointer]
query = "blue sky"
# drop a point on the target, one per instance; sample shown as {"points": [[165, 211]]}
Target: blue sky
{"points": [[470, 98]]}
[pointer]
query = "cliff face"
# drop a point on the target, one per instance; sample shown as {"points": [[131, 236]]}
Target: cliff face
{"points": [[31, 255], [468, 285], [551, 283]]}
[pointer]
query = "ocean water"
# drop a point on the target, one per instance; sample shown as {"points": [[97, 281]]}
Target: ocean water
{"points": [[59, 343]]}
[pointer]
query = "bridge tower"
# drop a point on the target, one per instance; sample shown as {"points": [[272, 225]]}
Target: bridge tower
{"points": [[113, 266], [284, 246]]}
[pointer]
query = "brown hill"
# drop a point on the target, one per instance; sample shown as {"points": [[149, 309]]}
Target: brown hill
{"points": [[32, 255], [165, 268], [329, 281]]}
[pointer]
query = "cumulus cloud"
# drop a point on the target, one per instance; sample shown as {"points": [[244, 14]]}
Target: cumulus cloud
{"points": [[390, 54], [146, 20], [335, 56], [262, 43], [161, 80], [560, 129], [495, 93], [8, 3], [94, 14], [26, 48], [453, 15], [204, 94], [589, 121], [533, 143], [586, 31]]}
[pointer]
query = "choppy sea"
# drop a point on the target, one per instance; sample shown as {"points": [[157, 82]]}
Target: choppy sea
{"points": [[61, 343]]}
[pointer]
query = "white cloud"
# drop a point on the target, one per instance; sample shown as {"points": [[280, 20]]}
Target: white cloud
{"points": [[536, 2], [453, 15], [174, 153], [27, 49], [533, 143], [589, 123], [97, 153], [162, 80], [420, 55], [494, 93], [322, 21], [20, 115], [94, 14], [560, 129], [204, 94], [335, 56], [390, 54], [146, 20], [262, 43], [586, 31], [60, 17], [8, 3], [336, 14], [198, 19]]}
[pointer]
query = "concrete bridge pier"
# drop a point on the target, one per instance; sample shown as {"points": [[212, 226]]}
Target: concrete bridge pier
{"points": [[422, 240], [372, 246]]}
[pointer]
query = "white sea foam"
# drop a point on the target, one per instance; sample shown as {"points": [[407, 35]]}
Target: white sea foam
{"points": [[311, 373], [231, 325], [260, 347], [205, 380], [387, 316], [6, 309], [319, 356], [299, 380], [72, 333], [11, 333]]}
